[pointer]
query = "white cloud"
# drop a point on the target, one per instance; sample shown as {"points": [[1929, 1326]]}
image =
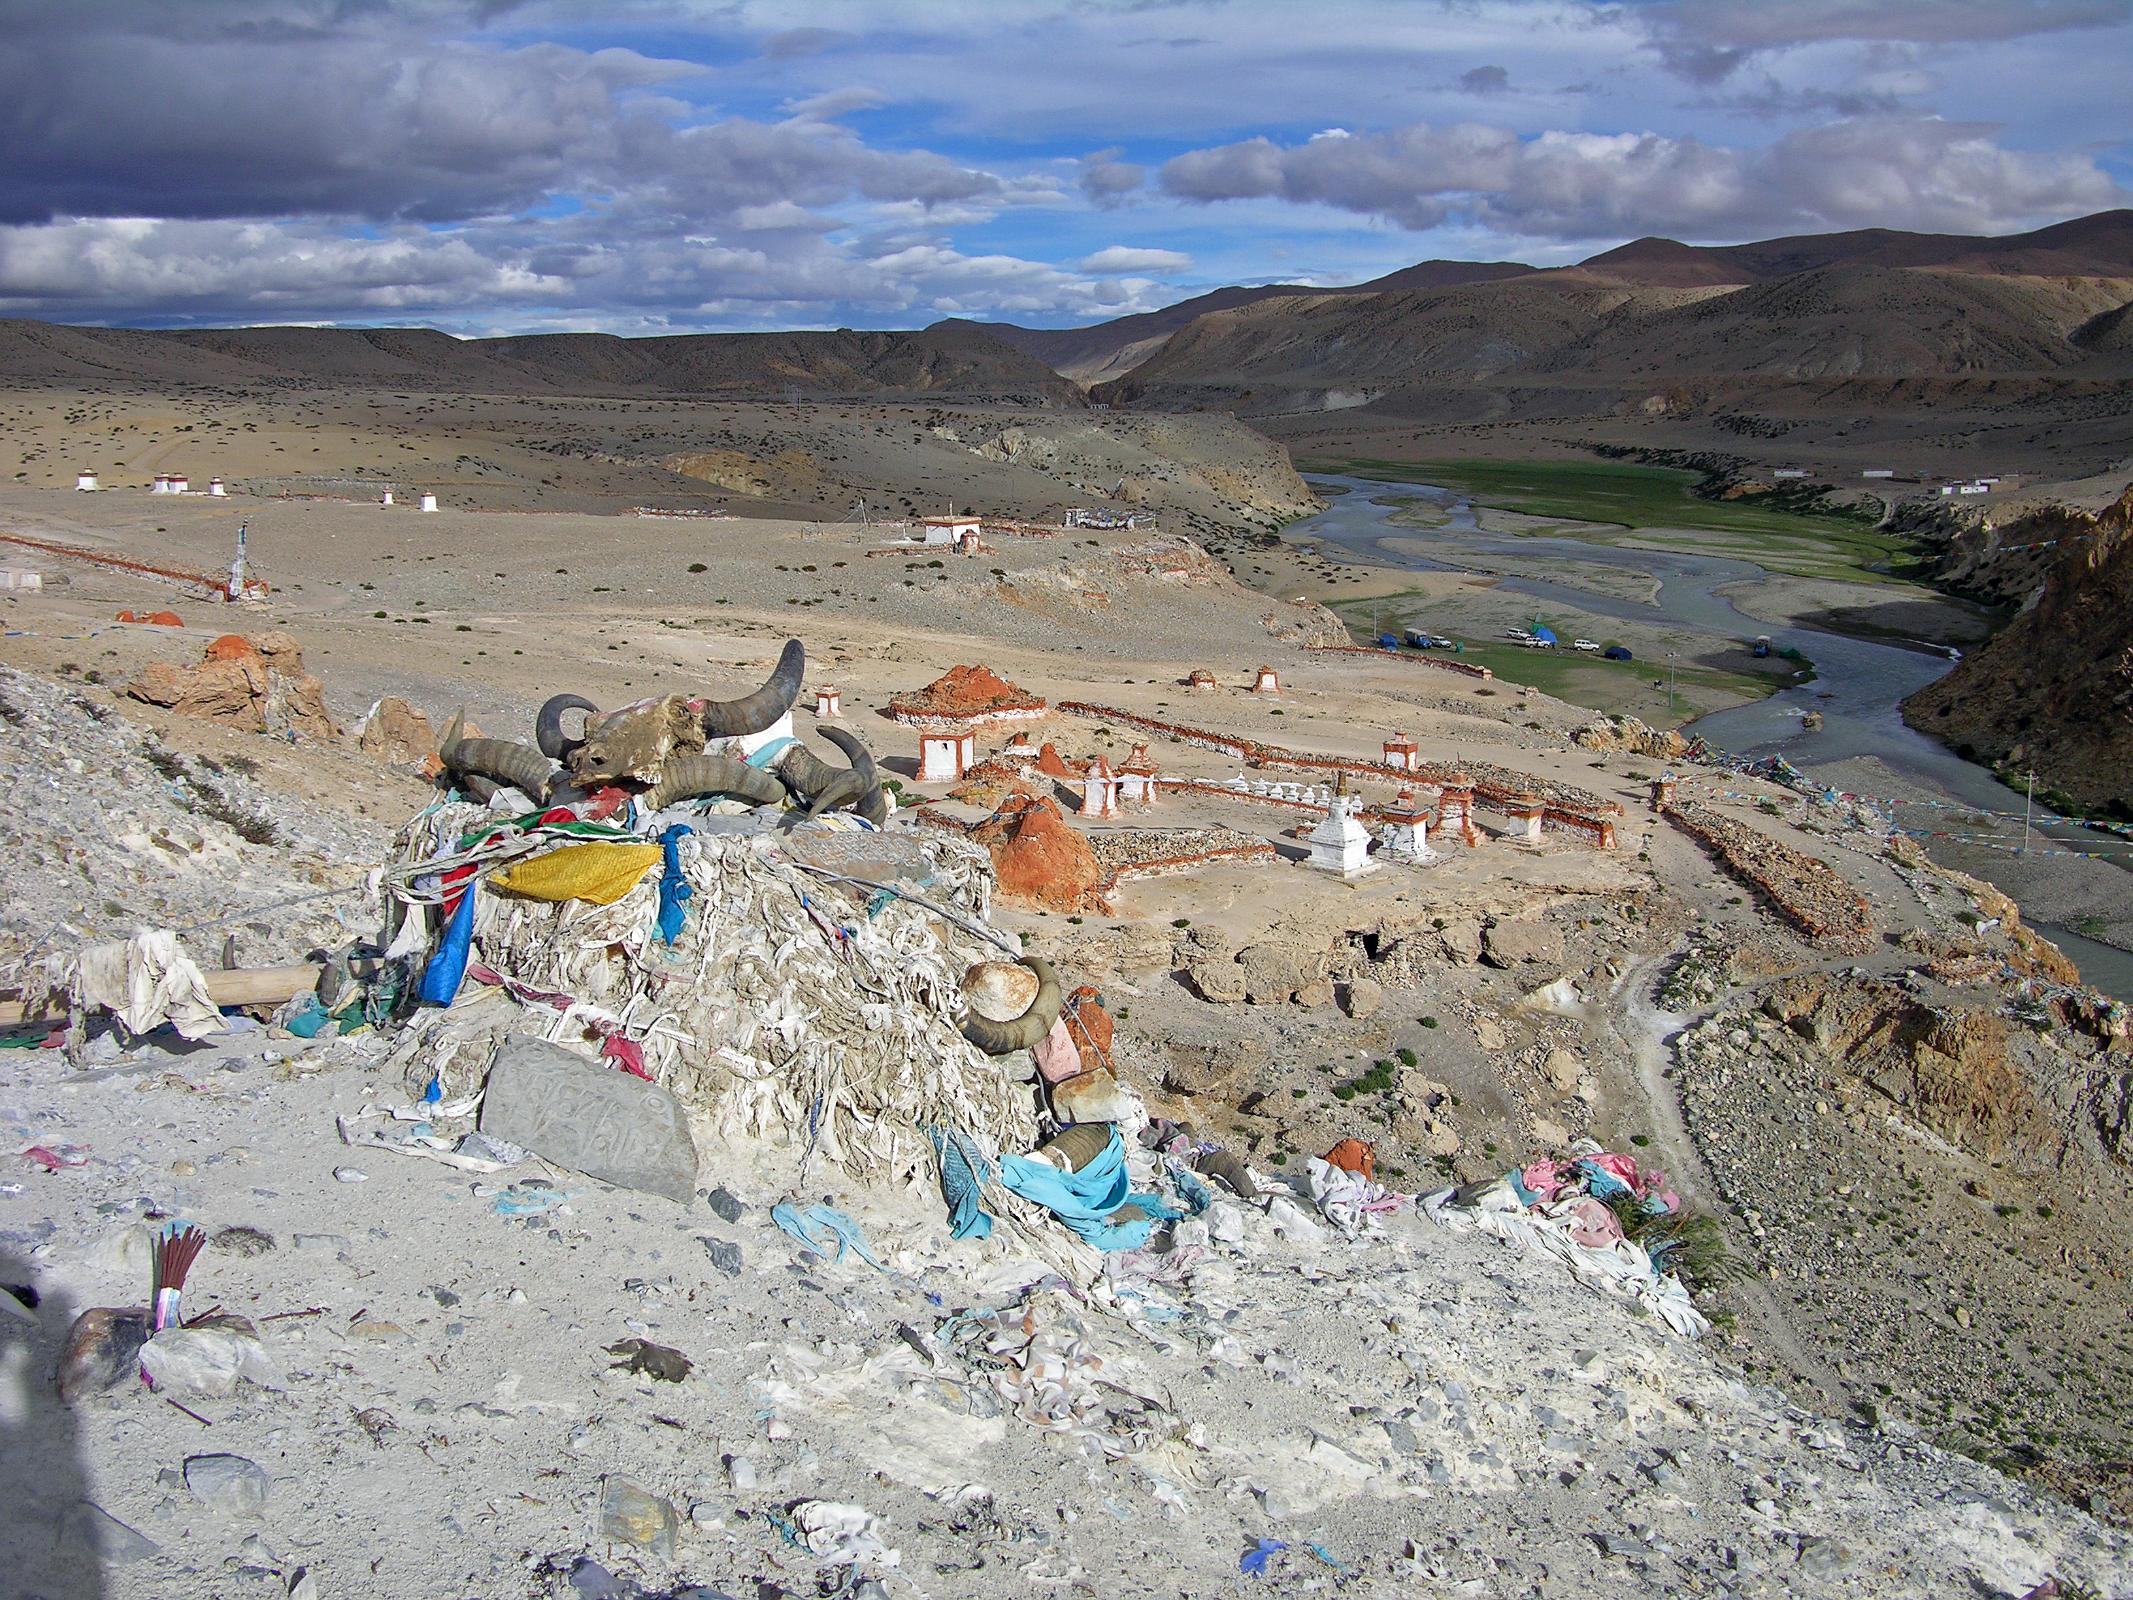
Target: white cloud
{"points": [[646, 160], [584, 277], [834, 103], [1119, 258], [1898, 172]]}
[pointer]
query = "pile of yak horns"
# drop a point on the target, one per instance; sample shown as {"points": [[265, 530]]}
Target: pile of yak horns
{"points": [[660, 745]]}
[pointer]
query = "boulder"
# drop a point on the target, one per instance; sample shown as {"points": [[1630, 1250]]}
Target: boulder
{"points": [[257, 685], [1216, 978], [1563, 1070], [1521, 943], [103, 1350], [999, 990], [397, 735], [1462, 941], [223, 690], [1194, 1069], [1362, 998], [1273, 973], [1038, 858], [1624, 733], [1095, 1096], [577, 1113]]}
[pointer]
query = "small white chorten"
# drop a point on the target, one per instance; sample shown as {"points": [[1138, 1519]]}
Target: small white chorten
{"points": [[1341, 844]]}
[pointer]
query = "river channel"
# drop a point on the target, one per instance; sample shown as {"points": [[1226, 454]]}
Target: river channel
{"points": [[1858, 683]]}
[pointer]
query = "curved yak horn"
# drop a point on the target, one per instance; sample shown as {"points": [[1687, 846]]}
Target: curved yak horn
{"points": [[752, 713], [685, 777], [503, 760], [548, 725], [1027, 1031], [843, 789], [804, 772], [872, 804]]}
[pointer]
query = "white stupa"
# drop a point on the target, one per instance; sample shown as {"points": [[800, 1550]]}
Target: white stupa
{"points": [[1341, 844]]}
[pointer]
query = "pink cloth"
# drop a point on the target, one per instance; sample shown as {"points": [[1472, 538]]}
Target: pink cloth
{"points": [[1591, 1223], [1649, 1184], [1540, 1178], [1623, 1167], [1057, 1057]]}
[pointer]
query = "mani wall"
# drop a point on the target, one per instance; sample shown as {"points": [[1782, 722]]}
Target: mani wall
{"points": [[1813, 897], [1497, 788]]}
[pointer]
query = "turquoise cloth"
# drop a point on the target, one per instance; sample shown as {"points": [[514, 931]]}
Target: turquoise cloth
{"points": [[1196, 1195], [673, 887], [770, 752], [818, 1227], [1084, 1200], [964, 1171]]}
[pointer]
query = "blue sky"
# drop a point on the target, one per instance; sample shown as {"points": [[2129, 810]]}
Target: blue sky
{"points": [[675, 165]]}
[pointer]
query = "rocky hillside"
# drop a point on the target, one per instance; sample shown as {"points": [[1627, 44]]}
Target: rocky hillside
{"points": [[2053, 690], [951, 360]]}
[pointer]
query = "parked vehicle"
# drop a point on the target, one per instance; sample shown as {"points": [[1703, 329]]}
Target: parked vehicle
{"points": [[1586, 645]]}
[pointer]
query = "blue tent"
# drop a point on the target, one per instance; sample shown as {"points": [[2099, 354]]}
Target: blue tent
{"points": [[1546, 635]]}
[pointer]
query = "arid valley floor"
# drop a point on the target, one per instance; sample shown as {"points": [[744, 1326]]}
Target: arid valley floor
{"points": [[1916, 1138]]}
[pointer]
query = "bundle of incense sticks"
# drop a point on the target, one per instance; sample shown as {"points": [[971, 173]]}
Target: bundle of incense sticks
{"points": [[176, 1248]]}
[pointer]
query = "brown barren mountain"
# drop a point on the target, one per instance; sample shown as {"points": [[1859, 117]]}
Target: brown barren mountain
{"points": [[949, 361], [1932, 341], [1111, 349]]}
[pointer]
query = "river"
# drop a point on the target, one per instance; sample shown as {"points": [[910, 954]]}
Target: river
{"points": [[1858, 683]]}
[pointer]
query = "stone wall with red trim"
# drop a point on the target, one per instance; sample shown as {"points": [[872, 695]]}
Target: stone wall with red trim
{"points": [[1466, 669], [1499, 789], [1810, 895], [1163, 866]]}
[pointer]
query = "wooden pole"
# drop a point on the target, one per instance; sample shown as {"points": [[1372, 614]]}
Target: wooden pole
{"points": [[241, 986]]}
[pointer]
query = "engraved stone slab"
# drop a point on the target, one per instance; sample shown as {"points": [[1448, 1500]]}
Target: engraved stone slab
{"points": [[580, 1114]]}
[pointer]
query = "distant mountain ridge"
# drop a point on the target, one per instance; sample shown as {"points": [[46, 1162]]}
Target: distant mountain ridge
{"points": [[1630, 325], [1652, 323], [950, 360], [1109, 349]]}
